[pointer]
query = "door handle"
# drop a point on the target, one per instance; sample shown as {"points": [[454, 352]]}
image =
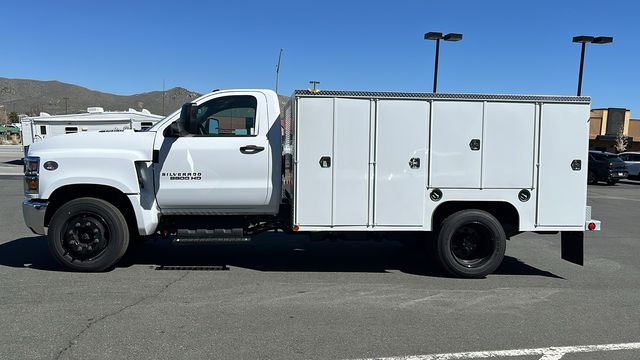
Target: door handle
{"points": [[251, 149]]}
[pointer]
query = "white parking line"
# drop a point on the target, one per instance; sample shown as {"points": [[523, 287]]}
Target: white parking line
{"points": [[550, 353]]}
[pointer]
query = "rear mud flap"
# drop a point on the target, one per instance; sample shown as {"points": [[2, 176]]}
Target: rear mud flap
{"points": [[572, 244]]}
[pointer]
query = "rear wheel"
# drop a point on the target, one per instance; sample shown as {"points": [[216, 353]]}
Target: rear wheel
{"points": [[591, 178], [611, 182], [471, 243], [88, 234]]}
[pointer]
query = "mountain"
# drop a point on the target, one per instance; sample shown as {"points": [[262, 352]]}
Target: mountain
{"points": [[33, 96]]}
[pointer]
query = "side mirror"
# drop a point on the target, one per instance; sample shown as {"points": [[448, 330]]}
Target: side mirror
{"points": [[185, 124], [188, 118]]}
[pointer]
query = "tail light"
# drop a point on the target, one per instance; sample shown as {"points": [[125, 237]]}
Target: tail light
{"points": [[611, 165]]}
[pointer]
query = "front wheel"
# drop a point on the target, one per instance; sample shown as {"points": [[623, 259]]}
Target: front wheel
{"points": [[88, 234], [612, 182], [471, 244], [591, 178]]}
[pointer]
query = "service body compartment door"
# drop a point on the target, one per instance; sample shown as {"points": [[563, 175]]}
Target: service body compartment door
{"points": [[508, 150], [562, 191], [456, 144], [351, 162], [314, 155], [401, 162]]}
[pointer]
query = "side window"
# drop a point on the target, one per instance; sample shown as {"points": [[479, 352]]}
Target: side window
{"points": [[43, 130], [624, 157], [635, 157], [227, 116], [70, 130]]}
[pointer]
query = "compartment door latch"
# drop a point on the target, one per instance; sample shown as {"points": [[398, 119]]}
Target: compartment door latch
{"points": [[474, 145], [325, 161]]}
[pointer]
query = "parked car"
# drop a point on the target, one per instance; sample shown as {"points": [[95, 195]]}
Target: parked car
{"points": [[607, 167], [632, 159]]}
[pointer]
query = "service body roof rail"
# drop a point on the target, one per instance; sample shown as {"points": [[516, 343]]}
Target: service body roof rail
{"points": [[443, 96]]}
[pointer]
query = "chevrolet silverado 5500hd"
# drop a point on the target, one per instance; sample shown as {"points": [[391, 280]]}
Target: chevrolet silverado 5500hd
{"points": [[471, 170]]}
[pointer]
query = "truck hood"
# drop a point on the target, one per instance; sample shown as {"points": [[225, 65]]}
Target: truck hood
{"points": [[131, 145]]}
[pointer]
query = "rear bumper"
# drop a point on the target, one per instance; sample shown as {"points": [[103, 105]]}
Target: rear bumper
{"points": [[33, 213], [618, 174]]}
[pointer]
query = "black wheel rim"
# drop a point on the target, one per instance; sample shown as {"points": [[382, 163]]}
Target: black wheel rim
{"points": [[472, 244], [84, 237]]}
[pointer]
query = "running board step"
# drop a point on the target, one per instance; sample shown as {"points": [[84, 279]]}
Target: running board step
{"points": [[204, 236]]}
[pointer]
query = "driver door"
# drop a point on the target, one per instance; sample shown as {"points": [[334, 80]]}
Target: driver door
{"points": [[222, 165]]}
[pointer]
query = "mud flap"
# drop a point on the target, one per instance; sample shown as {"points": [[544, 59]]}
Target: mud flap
{"points": [[572, 244]]}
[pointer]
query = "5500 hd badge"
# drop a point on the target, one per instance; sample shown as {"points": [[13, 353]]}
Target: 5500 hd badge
{"points": [[183, 176]]}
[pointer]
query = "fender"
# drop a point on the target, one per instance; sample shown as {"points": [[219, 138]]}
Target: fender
{"points": [[93, 158]]}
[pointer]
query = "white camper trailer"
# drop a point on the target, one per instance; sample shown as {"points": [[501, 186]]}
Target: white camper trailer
{"points": [[95, 119]]}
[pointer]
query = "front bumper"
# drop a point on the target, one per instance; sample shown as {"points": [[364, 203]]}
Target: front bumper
{"points": [[33, 213]]}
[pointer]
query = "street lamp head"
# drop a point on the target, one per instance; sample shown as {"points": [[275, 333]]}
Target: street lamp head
{"points": [[603, 40], [433, 36], [453, 37], [582, 39]]}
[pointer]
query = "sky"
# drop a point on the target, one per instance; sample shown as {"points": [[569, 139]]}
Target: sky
{"points": [[510, 47]]}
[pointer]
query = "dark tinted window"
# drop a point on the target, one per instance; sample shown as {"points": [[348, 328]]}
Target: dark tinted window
{"points": [[613, 158], [605, 157]]}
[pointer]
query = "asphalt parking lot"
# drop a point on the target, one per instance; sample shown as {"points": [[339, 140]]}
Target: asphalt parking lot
{"points": [[289, 298]]}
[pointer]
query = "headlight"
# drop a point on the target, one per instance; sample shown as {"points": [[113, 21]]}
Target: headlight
{"points": [[31, 165], [31, 178], [31, 184]]}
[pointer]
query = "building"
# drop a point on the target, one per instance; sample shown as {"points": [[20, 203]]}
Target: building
{"points": [[608, 126]]}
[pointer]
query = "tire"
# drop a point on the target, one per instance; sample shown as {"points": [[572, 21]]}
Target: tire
{"points": [[471, 244], [591, 178], [88, 235], [612, 182]]}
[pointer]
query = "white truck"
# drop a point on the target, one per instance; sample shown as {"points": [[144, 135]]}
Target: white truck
{"points": [[470, 170]]}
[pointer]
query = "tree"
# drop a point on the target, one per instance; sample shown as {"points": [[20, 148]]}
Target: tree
{"points": [[13, 117], [621, 141]]}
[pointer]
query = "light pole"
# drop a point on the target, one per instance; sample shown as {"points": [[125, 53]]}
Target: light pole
{"points": [[437, 36], [584, 39]]}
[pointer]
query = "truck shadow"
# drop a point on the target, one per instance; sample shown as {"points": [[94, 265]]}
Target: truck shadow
{"points": [[17, 162], [273, 252]]}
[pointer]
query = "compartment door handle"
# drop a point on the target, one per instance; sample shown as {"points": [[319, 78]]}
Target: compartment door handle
{"points": [[325, 162]]}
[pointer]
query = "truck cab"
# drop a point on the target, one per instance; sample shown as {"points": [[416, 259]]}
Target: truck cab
{"points": [[90, 192]]}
